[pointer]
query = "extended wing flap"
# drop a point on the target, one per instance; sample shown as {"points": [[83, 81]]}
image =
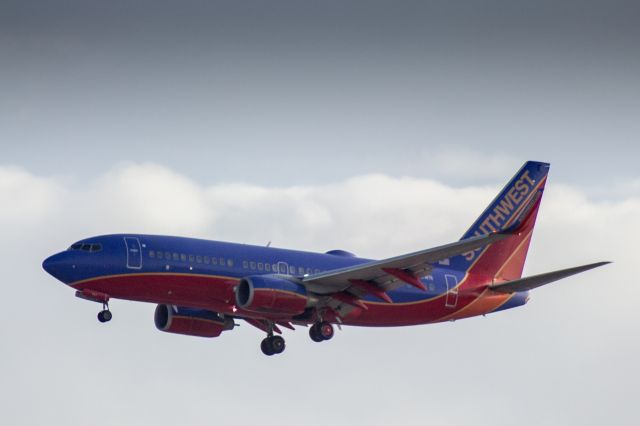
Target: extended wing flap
{"points": [[535, 281], [340, 279]]}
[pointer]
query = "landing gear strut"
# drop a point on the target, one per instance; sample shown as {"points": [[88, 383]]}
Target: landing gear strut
{"points": [[105, 314], [272, 345], [96, 296], [321, 331]]}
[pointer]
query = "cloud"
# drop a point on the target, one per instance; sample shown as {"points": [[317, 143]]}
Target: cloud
{"points": [[26, 198], [151, 196], [573, 342]]}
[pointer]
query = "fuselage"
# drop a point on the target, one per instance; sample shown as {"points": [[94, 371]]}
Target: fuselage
{"points": [[204, 274]]}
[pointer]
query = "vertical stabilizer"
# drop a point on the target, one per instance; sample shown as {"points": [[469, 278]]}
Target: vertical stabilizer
{"points": [[515, 208]]}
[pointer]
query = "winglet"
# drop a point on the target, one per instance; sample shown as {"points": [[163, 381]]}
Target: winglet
{"points": [[535, 281]]}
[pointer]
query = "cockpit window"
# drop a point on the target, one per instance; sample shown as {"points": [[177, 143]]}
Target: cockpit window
{"points": [[90, 247]]}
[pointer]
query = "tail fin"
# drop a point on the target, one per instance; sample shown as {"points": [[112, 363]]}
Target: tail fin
{"points": [[514, 209]]}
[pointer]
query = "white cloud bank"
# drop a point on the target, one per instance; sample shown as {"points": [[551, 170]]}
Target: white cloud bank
{"points": [[568, 357]]}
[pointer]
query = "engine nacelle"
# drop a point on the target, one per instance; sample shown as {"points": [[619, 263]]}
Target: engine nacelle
{"points": [[189, 321], [271, 295]]}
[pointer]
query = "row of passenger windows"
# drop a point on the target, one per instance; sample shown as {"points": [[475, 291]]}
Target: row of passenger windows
{"points": [[246, 264], [268, 267], [181, 257]]}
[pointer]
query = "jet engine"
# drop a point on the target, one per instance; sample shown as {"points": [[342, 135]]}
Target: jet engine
{"points": [[271, 295], [189, 321]]}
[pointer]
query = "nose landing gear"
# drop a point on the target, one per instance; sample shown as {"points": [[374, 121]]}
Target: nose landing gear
{"points": [[96, 296], [105, 314]]}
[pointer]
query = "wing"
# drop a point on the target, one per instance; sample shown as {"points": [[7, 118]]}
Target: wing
{"points": [[535, 281], [349, 285]]}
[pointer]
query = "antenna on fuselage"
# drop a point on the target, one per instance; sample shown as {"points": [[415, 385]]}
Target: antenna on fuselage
{"points": [[269, 243]]}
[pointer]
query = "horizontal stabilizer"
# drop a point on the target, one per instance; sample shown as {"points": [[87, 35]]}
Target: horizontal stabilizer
{"points": [[535, 281]]}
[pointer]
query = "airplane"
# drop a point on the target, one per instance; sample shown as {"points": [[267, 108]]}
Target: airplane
{"points": [[203, 287]]}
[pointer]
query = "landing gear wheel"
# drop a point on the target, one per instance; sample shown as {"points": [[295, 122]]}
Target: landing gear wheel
{"points": [[321, 331], [277, 344], [265, 345], [314, 333], [105, 316], [325, 330], [272, 345]]}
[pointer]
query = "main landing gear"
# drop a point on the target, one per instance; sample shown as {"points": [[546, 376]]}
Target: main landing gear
{"points": [[272, 345], [321, 331], [105, 314]]}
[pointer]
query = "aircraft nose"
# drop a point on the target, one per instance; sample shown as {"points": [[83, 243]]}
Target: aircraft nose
{"points": [[56, 266]]}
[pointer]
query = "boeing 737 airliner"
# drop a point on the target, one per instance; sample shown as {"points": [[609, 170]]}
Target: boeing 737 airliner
{"points": [[203, 288]]}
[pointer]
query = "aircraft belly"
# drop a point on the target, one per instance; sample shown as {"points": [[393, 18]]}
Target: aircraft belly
{"points": [[428, 311], [198, 291]]}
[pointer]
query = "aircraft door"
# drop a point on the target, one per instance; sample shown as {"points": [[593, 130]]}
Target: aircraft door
{"points": [[134, 253], [452, 291], [283, 268]]}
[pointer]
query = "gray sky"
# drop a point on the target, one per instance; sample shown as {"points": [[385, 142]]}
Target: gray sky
{"points": [[375, 127], [263, 92]]}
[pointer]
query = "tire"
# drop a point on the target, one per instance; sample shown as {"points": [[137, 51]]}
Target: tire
{"points": [[277, 344], [325, 330], [266, 347], [104, 316], [314, 333]]}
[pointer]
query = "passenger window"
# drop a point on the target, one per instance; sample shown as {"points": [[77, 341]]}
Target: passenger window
{"points": [[230, 263], [245, 264], [160, 255], [176, 257], [152, 254], [167, 255], [292, 270], [260, 266], [300, 270], [253, 264], [308, 270], [267, 267], [199, 259], [214, 260], [207, 260], [222, 261], [183, 257], [192, 258]]}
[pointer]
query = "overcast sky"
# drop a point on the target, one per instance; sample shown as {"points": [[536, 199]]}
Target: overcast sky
{"points": [[374, 127]]}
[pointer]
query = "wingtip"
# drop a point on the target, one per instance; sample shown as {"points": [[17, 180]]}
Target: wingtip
{"points": [[596, 265]]}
